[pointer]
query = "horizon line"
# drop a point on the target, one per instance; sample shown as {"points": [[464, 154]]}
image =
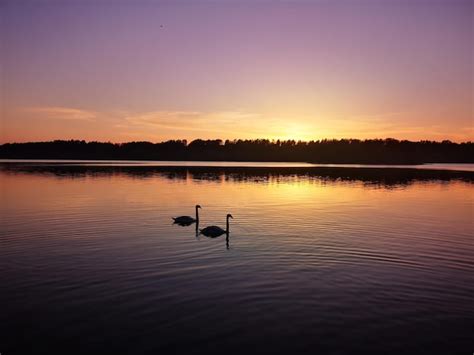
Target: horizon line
{"points": [[272, 140]]}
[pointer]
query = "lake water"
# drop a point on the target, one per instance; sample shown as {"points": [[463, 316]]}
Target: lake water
{"points": [[150, 163], [318, 260]]}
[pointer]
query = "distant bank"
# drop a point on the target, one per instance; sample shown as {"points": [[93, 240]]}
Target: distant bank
{"points": [[343, 151]]}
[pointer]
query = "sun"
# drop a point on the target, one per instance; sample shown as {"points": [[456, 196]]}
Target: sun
{"points": [[294, 131]]}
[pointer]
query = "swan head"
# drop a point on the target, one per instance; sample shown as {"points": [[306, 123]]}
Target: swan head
{"points": [[229, 216], [198, 206]]}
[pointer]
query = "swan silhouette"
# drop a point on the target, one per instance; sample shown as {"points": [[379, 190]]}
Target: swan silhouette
{"points": [[187, 220], [215, 231]]}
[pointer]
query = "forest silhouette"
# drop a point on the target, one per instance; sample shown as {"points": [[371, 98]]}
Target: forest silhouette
{"points": [[342, 151]]}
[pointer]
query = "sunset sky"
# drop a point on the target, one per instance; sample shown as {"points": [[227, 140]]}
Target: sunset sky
{"points": [[157, 70]]}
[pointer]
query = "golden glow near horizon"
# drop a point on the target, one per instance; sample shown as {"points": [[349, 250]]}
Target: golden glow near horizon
{"points": [[48, 123]]}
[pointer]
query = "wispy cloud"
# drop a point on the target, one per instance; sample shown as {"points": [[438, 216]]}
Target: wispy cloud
{"points": [[219, 121], [62, 113], [376, 116]]}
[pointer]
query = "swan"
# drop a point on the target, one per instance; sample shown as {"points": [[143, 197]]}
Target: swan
{"points": [[215, 231], [187, 220]]}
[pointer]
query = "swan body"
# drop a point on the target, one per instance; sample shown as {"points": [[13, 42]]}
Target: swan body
{"points": [[187, 220], [212, 231], [184, 219], [215, 231]]}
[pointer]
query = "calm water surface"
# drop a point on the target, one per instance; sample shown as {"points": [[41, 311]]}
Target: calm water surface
{"points": [[90, 262], [435, 166]]}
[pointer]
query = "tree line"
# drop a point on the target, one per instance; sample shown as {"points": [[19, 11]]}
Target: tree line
{"points": [[340, 151]]}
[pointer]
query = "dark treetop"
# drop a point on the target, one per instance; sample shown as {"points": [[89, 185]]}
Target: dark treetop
{"points": [[373, 151]]}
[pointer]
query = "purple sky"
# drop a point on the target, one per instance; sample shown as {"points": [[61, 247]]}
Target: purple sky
{"points": [[156, 70]]}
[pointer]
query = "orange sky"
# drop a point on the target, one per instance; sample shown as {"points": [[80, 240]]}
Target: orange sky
{"points": [[279, 70]]}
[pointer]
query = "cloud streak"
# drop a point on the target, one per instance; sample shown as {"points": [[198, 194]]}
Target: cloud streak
{"points": [[62, 113], [216, 122]]}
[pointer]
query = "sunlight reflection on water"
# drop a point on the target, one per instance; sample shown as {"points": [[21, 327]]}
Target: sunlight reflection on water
{"points": [[314, 261]]}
